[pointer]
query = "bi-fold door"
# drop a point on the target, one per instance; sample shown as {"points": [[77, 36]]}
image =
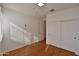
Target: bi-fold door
{"points": [[69, 34], [63, 34]]}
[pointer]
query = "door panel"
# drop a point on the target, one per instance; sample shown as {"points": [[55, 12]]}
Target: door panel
{"points": [[53, 34], [68, 34], [77, 40]]}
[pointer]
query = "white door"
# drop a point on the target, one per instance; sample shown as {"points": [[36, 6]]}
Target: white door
{"points": [[0, 35], [53, 34], [69, 34], [77, 40]]}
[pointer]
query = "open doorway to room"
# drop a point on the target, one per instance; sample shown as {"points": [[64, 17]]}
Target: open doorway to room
{"points": [[45, 30]]}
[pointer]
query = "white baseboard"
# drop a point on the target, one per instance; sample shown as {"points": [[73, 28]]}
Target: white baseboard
{"points": [[20, 46]]}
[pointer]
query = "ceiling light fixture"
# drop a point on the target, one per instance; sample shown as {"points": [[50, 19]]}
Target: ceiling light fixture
{"points": [[40, 4]]}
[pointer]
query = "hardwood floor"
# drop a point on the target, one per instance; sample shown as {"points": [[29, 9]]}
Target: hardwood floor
{"points": [[40, 49]]}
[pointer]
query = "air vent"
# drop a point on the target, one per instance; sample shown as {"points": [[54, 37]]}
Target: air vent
{"points": [[51, 10]]}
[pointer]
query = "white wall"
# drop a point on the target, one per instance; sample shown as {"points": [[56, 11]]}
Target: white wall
{"points": [[71, 13], [33, 25]]}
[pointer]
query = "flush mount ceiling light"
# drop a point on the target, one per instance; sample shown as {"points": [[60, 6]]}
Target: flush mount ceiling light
{"points": [[40, 4]]}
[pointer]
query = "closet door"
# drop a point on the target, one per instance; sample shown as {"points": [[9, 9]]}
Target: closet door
{"points": [[77, 40], [0, 35], [53, 33], [69, 34]]}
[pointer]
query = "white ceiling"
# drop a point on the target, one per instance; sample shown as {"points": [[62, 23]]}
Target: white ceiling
{"points": [[33, 9]]}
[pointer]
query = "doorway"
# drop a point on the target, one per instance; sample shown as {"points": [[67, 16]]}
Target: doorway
{"points": [[45, 30]]}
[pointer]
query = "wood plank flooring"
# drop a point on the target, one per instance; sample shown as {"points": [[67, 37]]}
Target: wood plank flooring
{"points": [[39, 49]]}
